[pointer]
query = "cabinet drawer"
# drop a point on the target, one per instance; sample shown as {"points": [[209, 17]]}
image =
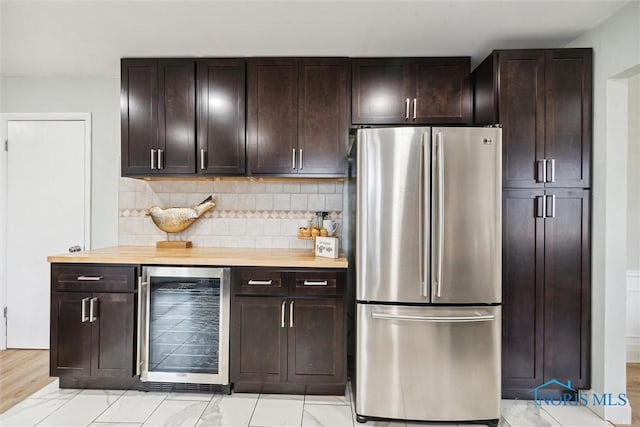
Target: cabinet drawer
{"points": [[93, 277], [259, 281], [318, 282]]}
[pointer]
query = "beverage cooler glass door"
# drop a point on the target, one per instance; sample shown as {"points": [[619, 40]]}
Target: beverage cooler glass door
{"points": [[184, 325]]}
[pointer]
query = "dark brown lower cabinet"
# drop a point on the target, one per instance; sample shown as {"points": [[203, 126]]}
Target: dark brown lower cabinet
{"points": [[92, 332], [293, 343], [546, 289]]}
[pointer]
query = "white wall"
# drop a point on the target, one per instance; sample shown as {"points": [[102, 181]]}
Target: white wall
{"points": [[633, 176], [99, 96], [616, 45]]}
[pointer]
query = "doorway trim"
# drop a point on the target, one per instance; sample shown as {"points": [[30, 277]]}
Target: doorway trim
{"points": [[4, 119]]}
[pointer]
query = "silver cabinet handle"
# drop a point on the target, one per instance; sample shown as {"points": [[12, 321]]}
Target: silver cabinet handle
{"points": [[435, 319], [551, 205], [541, 207], [139, 327], [202, 159], [153, 159], [282, 314], [92, 309], [293, 158], [312, 283], [89, 278], [160, 159], [542, 171], [415, 107], [83, 315], [301, 159], [291, 314], [406, 109], [260, 282], [552, 170]]}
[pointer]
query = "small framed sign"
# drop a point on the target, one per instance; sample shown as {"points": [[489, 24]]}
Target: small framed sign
{"points": [[327, 247]]}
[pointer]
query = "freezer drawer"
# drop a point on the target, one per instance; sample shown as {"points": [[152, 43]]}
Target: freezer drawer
{"points": [[428, 363]]}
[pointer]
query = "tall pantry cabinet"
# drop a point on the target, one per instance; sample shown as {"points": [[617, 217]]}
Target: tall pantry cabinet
{"points": [[543, 101]]}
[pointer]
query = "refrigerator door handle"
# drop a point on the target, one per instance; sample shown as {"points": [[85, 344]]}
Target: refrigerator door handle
{"points": [[440, 212], [435, 319], [423, 225]]}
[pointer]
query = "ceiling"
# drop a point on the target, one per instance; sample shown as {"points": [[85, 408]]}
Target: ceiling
{"points": [[88, 37]]}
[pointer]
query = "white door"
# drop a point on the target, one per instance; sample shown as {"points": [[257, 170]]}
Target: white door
{"points": [[46, 198]]}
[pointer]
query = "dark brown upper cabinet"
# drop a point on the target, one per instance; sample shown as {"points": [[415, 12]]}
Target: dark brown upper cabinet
{"points": [[543, 100], [297, 117], [221, 116], [157, 105], [411, 91]]}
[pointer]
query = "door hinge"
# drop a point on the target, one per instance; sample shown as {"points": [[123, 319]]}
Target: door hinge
{"points": [[6, 145], [4, 312]]}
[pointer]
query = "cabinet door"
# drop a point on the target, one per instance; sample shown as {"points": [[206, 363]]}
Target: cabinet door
{"points": [[522, 292], [568, 81], [112, 340], [176, 116], [567, 288], [70, 335], [139, 115], [316, 340], [381, 89], [272, 125], [441, 91], [521, 114], [258, 339], [221, 116], [323, 129]]}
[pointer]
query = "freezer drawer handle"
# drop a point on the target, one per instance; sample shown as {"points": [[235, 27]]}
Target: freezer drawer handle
{"points": [[89, 278], [435, 319]]}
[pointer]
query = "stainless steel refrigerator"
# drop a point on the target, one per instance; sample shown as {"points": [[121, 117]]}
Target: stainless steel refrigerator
{"points": [[428, 274]]}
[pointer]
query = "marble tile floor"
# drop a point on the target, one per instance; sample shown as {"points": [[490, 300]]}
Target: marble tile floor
{"points": [[52, 406]]}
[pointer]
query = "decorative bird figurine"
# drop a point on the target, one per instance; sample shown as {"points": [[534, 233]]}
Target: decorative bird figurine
{"points": [[175, 220]]}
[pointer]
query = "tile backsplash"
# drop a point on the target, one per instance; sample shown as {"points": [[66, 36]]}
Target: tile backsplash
{"points": [[248, 214]]}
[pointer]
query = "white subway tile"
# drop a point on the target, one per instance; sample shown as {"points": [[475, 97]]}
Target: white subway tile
{"points": [[291, 188], [132, 225], [178, 200], [150, 229], [333, 202], [280, 242], [255, 227], [257, 187], [282, 202], [339, 187], [289, 227], [316, 202], [237, 226], [220, 226], [327, 187], [239, 187], [272, 227], [162, 199], [264, 241], [245, 242], [227, 202], [247, 202], [204, 187], [143, 200], [264, 202], [127, 200], [274, 187], [309, 188], [187, 186], [299, 202], [222, 187], [202, 226]]}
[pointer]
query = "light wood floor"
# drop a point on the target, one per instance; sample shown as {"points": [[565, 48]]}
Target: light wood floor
{"points": [[22, 373]]}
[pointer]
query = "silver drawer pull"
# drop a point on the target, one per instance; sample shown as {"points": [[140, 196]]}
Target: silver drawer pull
{"points": [[89, 278], [312, 283], [260, 282], [436, 319]]}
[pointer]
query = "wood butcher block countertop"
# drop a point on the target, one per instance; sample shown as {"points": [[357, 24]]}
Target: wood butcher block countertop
{"points": [[202, 256]]}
